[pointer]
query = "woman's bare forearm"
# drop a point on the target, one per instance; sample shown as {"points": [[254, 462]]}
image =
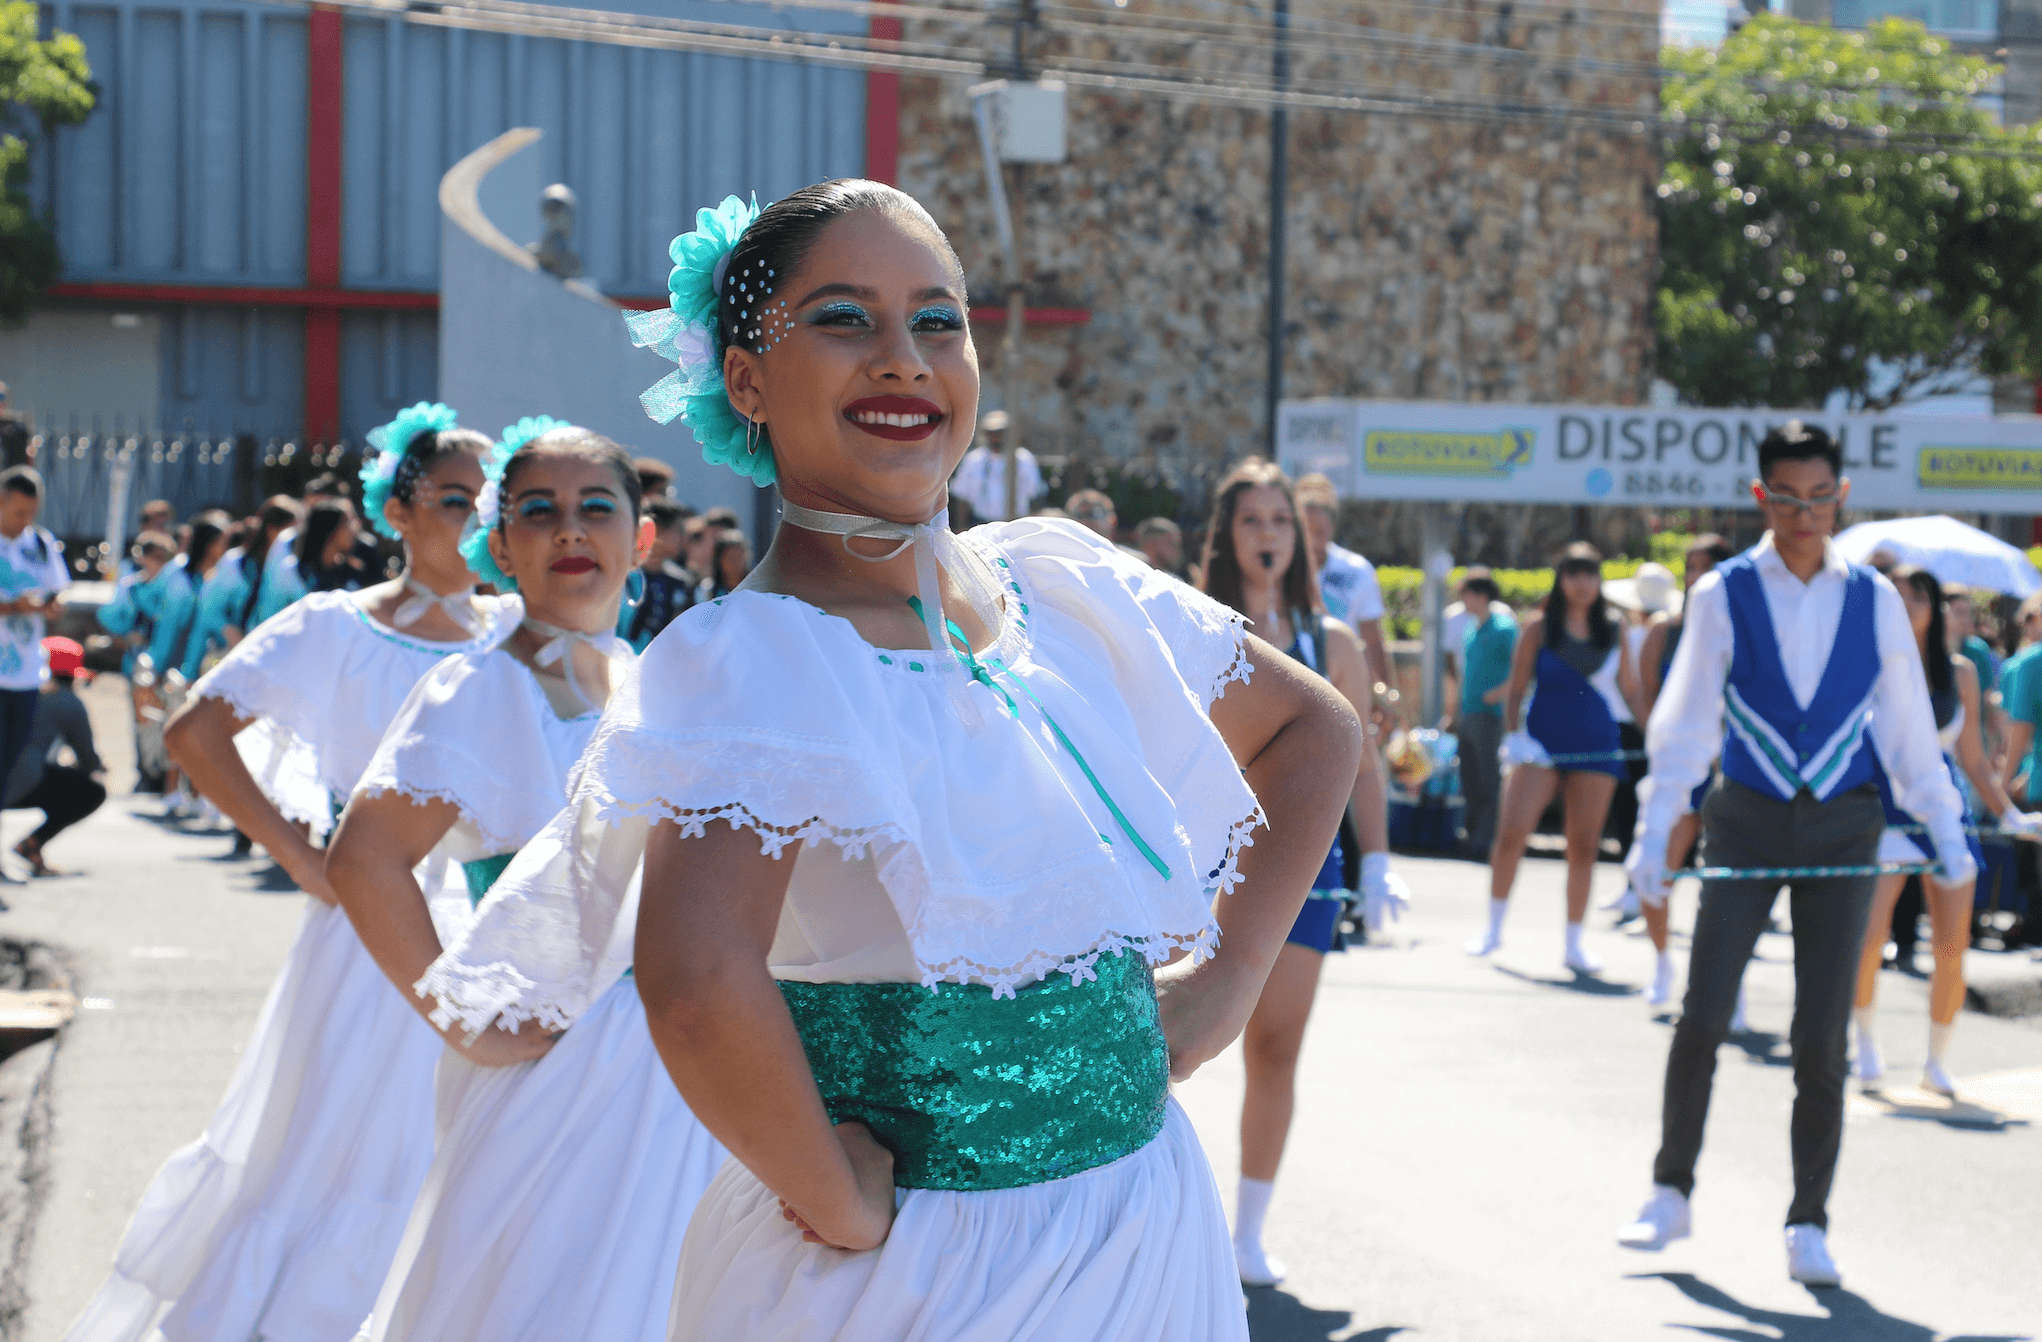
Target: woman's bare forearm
{"points": [[707, 911], [200, 739], [371, 864]]}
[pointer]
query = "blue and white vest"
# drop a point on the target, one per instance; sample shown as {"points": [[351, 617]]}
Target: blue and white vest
{"points": [[1771, 743]]}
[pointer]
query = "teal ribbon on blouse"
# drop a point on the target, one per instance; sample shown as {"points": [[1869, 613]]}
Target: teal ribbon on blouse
{"points": [[482, 873], [969, 660]]}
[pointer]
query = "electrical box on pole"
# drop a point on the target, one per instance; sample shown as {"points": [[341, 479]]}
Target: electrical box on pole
{"points": [[1027, 119]]}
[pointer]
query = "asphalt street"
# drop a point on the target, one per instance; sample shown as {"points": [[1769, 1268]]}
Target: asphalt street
{"points": [[1469, 1134]]}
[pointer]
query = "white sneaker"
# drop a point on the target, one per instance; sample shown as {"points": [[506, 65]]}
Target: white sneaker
{"points": [[1808, 1260], [1625, 906], [1740, 1019], [1582, 961], [1486, 944], [1664, 1219], [1934, 1077], [1661, 991], [1256, 1267], [1870, 1067]]}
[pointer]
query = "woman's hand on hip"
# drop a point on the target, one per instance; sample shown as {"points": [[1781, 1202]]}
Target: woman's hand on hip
{"points": [[864, 1223]]}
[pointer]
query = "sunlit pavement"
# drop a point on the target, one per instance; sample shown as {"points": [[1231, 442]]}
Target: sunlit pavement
{"points": [[1469, 1133]]}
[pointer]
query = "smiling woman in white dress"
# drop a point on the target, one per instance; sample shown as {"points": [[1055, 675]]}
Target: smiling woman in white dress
{"points": [[559, 1191], [920, 821], [277, 1223]]}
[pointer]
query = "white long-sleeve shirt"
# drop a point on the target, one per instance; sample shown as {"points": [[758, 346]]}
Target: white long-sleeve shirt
{"points": [[1686, 731]]}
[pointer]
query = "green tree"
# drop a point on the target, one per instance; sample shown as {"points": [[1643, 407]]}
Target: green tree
{"points": [[43, 84], [1832, 198]]}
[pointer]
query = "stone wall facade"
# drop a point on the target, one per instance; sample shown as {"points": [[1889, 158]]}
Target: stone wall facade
{"points": [[1428, 257]]}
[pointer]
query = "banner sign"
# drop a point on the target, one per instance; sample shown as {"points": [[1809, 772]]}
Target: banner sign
{"points": [[1489, 452]]}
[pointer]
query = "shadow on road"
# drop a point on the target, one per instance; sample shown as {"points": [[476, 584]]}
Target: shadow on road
{"points": [[1578, 983], [1848, 1317], [1278, 1316], [1763, 1046]]}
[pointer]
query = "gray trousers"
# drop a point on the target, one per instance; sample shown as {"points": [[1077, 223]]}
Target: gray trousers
{"points": [[1481, 776], [1742, 827]]}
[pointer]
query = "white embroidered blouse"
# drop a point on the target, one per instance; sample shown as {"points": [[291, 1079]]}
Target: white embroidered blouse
{"points": [[1094, 810]]}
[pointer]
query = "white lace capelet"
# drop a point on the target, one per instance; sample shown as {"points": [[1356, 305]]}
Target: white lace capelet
{"points": [[478, 733], [323, 681], [1002, 858]]}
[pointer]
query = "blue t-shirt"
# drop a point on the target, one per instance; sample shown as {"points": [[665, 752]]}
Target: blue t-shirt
{"points": [[1486, 650], [2018, 688]]}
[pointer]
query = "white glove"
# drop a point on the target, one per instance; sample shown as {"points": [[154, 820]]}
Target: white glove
{"points": [[2023, 824], [1384, 897], [1646, 866], [1956, 865], [1523, 748]]}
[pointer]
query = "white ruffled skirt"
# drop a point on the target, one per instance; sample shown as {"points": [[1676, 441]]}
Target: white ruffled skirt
{"points": [[559, 1197], [278, 1223], [1134, 1251]]}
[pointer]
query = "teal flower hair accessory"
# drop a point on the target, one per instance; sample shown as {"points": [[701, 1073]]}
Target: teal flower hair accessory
{"points": [[390, 441], [489, 503], [685, 332]]}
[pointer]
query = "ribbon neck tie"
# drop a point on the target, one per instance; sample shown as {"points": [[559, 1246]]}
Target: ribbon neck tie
{"points": [[559, 648], [933, 545], [459, 606], [984, 670]]}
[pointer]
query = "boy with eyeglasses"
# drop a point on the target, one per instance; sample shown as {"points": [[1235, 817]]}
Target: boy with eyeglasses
{"points": [[1796, 666]]}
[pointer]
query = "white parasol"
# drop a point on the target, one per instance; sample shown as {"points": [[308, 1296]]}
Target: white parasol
{"points": [[1958, 554]]}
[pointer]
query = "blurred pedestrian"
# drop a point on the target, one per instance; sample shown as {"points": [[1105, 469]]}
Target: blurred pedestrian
{"points": [[728, 566], [1162, 543], [260, 579], [981, 478], [1347, 581], [698, 548], [1575, 654], [1488, 645], [1960, 612], [1655, 658], [64, 793], [655, 478], [1646, 599], [668, 588], [1256, 562], [326, 549], [32, 572], [15, 433], [158, 515], [2021, 696]]}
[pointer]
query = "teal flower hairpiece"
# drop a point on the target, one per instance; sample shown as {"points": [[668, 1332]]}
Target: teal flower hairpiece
{"points": [[390, 441], [685, 332], [489, 503]]}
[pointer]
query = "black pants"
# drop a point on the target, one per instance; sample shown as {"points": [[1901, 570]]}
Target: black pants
{"points": [[1481, 734], [17, 716], [1745, 828], [65, 796]]}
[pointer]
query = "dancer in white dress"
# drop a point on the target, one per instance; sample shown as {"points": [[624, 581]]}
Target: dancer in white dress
{"points": [[277, 1223], [913, 876], [559, 1192]]}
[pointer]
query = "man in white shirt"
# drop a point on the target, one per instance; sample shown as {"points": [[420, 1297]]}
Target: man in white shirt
{"points": [[1794, 665], [1347, 582], [981, 478], [32, 571]]}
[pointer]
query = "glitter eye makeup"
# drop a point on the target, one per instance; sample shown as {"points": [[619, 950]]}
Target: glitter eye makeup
{"points": [[840, 312], [535, 507], [936, 319]]}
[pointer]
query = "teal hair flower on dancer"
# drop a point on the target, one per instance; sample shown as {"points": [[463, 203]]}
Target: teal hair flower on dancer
{"points": [[392, 443], [489, 503], [688, 333]]}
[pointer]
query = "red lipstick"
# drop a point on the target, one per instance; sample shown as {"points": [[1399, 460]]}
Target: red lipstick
{"points": [[900, 419], [574, 564]]}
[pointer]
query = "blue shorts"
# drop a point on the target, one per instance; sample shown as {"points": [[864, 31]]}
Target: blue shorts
{"points": [[1318, 924]]}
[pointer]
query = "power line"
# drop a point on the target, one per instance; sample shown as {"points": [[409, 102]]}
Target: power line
{"points": [[859, 51]]}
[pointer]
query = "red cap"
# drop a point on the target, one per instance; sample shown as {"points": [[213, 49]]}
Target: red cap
{"points": [[66, 658]]}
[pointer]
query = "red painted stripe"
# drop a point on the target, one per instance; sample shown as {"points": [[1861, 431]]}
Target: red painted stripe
{"points": [[322, 394], [253, 296], [882, 113], [325, 78]]}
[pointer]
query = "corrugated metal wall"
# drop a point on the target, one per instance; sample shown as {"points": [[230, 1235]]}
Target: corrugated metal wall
{"points": [[192, 171]]}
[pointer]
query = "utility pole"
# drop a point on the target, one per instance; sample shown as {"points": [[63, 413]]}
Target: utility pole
{"points": [[1279, 188]]}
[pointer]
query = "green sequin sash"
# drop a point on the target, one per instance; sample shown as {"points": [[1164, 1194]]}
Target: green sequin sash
{"points": [[482, 874], [973, 1093]]}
